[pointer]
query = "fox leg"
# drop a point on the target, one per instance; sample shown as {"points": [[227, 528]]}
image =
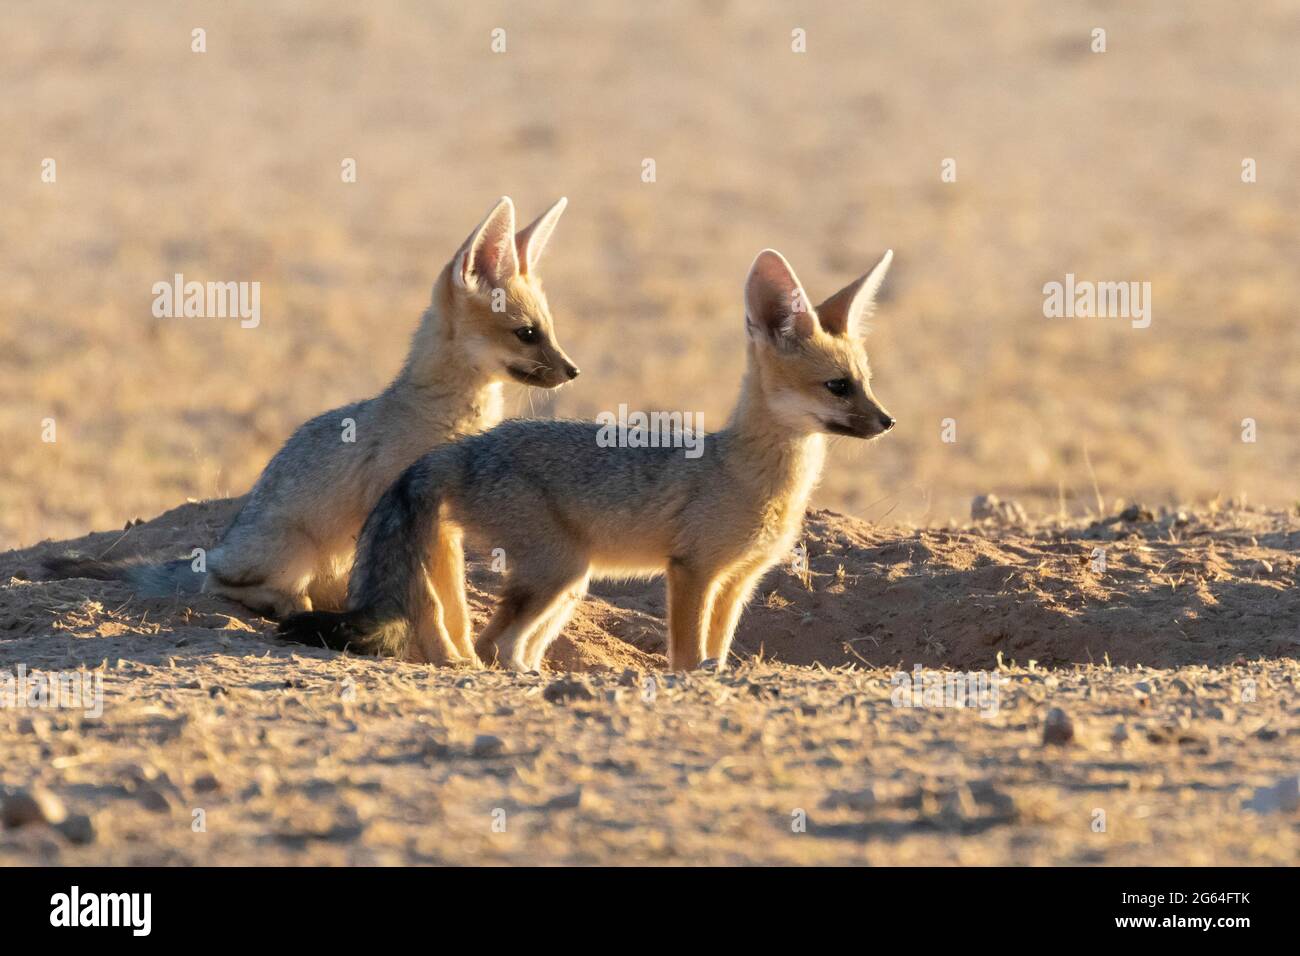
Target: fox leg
{"points": [[328, 590], [448, 577], [276, 585], [266, 601], [690, 597], [551, 628], [431, 644], [728, 605], [528, 600]]}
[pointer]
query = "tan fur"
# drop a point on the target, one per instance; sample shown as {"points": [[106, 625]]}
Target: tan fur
{"points": [[565, 511], [292, 546]]}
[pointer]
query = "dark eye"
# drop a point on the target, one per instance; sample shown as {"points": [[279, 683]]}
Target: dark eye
{"points": [[528, 335], [839, 387]]}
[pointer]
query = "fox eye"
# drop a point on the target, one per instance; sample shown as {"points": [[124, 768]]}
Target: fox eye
{"points": [[528, 335], [839, 387]]}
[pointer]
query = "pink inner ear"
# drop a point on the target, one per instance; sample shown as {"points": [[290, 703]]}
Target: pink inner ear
{"points": [[494, 257], [837, 312], [776, 300]]}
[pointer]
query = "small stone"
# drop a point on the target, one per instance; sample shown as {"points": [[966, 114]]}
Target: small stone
{"points": [[486, 745], [1058, 729], [858, 800], [1282, 797], [1119, 734], [1136, 512], [23, 807], [77, 828], [564, 801], [566, 689], [155, 800], [958, 806]]}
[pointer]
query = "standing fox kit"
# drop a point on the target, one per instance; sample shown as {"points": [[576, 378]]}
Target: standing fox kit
{"points": [[564, 508], [292, 543]]}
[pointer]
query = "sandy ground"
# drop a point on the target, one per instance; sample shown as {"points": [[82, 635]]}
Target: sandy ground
{"points": [[1175, 669]]}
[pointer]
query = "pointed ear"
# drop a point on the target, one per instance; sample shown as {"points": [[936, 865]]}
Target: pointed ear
{"points": [[532, 239], [488, 256], [776, 306], [844, 312]]}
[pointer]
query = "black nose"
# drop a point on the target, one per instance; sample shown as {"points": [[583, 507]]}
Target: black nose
{"points": [[886, 422], [572, 370]]}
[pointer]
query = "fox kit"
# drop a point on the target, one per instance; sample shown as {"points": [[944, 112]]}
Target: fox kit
{"points": [[290, 547], [564, 509]]}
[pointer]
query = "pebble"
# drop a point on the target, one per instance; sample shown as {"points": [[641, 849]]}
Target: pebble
{"points": [[1282, 797], [566, 689], [77, 828], [23, 807], [1058, 729], [1136, 513]]}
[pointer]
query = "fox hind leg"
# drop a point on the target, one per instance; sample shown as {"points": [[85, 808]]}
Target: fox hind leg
{"points": [[448, 577], [276, 584], [431, 644], [529, 598], [553, 625]]}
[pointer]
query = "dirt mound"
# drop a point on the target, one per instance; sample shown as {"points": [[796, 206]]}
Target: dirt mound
{"points": [[1211, 589]]}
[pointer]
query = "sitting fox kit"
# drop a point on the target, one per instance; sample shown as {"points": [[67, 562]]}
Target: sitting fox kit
{"points": [[291, 545], [564, 508]]}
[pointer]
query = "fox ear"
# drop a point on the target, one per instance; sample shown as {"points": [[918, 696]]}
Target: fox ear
{"points": [[776, 306], [488, 255], [844, 312], [532, 239]]}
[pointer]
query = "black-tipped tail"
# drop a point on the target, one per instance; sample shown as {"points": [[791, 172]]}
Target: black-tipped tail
{"points": [[67, 566], [351, 631], [168, 579]]}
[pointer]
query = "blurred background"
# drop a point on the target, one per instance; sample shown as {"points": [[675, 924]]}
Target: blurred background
{"points": [[225, 166]]}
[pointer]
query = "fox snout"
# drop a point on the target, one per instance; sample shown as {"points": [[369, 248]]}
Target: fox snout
{"points": [[554, 370], [863, 424], [867, 419], [883, 423]]}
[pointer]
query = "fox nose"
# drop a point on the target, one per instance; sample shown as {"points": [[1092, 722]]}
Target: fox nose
{"points": [[887, 421], [572, 370]]}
